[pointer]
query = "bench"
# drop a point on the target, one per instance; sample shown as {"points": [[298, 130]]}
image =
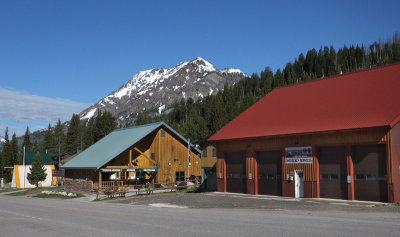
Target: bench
{"points": [[112, 192], [146, 191]]}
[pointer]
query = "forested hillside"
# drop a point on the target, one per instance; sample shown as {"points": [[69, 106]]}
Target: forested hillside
{"points": [[200, 119]]}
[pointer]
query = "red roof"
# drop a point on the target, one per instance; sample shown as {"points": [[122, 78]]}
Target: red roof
{"points": [[368, 98]]}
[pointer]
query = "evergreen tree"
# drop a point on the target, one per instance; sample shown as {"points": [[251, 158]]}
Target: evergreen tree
{"points": [[1, 164], [27, 140], [74, 135], [14, 151], [267, 78], [48, 143], [196, 127], [278, 79], [89, 132], [59, 137], [143, 118], [35, 146], [7, 154], [105, 123], [110, 123], [37, 171]]}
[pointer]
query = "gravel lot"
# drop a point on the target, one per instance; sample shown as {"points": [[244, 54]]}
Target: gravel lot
{"points": [[258, 202]]}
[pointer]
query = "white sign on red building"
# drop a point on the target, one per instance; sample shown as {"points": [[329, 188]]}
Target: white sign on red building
{"points": [[298, 155]]}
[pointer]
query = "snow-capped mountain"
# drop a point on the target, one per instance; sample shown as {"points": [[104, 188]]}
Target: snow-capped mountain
{"points": [[156, 90]]}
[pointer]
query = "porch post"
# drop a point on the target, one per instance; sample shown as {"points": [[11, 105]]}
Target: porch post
{"points": [[100, 180]]}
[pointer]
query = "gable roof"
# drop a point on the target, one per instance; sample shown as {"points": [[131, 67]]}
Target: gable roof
{"points": [[114, 144], [368, 98]]}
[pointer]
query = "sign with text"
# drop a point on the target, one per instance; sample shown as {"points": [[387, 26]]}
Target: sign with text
{"points": [[150, 170], [111, 170], [298, 155]]}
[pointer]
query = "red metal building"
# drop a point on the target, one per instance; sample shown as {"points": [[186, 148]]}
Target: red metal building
{"points": [[337, 137]]}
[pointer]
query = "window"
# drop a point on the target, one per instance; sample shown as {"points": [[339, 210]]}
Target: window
{"points": [[141, 175], [329, 177], [271, 176], [205, 152], [334, 176], [325, 176], [360, 177], [371, 177], [214, 152], [179, 176], [162, 133], [153, 156]]}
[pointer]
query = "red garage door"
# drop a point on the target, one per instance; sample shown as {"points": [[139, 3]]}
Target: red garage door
{"points": [[370, 173], [236, 172], [333, 172], [269, 173]]}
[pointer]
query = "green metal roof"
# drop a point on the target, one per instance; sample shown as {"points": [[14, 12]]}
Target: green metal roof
{"points": [[114, 144], [47, 158]]}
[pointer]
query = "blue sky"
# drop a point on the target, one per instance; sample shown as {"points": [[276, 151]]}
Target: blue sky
{"points": [[66, 55]]}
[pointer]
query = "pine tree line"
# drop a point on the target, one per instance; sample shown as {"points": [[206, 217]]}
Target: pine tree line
{"points": [[75, 137], [198, 120]]}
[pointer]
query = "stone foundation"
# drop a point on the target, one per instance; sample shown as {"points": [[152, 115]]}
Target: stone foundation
{"points": [[77, 187]]}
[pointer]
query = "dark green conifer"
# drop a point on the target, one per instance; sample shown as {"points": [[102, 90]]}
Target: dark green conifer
{"points": [[27, 140], [37, 171]]}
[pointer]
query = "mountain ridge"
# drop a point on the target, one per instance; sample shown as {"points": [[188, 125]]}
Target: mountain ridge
{"points": [[156, 90]]}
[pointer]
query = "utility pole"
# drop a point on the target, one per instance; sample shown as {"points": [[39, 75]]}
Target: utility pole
{"points": [[188, 160], [23, 162]]}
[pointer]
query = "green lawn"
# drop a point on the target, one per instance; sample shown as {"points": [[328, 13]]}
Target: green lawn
{"points": [[33, 191], [6, 190]]}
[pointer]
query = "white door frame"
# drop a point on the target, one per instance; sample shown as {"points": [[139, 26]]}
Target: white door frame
{"points": [[299, 183]]}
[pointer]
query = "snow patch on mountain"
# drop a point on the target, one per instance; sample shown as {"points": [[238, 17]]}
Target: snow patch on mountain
{"points": [[232, 70], [156, 90], [161, 108], [89, 114]]}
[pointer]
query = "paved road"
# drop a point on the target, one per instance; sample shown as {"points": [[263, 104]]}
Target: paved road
{"points": [[24, 216]]}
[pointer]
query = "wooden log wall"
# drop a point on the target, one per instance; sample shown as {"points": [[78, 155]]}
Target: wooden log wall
{"points": [[163, 148], [209, 160]]}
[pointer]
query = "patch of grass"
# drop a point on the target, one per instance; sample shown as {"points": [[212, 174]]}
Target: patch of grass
{"points": [[56, 196], [32, 191], [23, 192], [6, 190]]}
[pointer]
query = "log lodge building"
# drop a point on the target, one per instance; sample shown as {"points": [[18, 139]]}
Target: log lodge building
{"points": [[152, 153], [337, 137]]}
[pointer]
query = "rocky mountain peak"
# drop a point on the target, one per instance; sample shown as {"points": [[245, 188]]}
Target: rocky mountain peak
{"points": [[156, 90]]}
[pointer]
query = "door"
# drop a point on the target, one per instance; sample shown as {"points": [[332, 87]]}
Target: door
{"points": [[269, 165], [298, 184], [236, 172], [370, 181], [333, 172]]}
